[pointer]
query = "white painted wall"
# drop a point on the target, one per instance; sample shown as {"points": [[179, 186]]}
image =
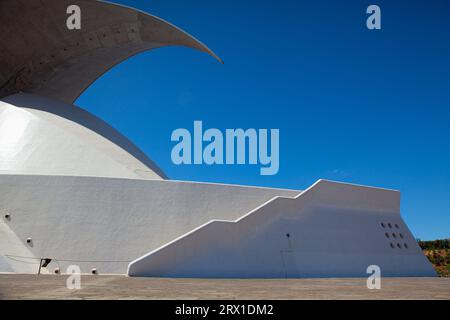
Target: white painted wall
{"points": [[334, 231], [111, 222], [15, 256]]}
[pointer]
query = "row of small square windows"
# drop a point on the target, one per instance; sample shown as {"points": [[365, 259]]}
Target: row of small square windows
{"points": [[390, 225], [393, 235], [399, 245]]}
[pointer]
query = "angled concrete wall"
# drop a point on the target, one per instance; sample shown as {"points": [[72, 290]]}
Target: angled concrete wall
{"points": [[329, 230], [15, 256]]}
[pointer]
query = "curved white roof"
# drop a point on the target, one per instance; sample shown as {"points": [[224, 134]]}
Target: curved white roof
{"points": [[42, 136]]}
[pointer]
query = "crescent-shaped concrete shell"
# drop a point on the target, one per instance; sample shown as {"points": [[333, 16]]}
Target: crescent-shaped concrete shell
{"points": [[39, 54]]}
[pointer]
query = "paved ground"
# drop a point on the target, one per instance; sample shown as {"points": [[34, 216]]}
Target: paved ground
{"points": [[120, 287]]}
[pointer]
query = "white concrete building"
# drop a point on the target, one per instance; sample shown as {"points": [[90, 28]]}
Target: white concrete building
{"points": [[76, 191]]}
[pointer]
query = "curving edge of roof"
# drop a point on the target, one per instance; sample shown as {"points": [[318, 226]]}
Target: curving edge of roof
{"points": [[39, 54]]}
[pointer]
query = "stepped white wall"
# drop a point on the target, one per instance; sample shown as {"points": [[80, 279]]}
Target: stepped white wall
{"points": [[329, 230]]}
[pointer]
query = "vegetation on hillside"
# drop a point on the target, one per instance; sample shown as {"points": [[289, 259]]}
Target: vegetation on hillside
{"points": [[438, 252]]}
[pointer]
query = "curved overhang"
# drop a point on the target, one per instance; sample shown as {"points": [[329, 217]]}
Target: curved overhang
{"points": [[39, 54]]}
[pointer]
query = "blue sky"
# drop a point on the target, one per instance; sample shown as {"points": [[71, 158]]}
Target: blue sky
{"points": [[353, 105]]}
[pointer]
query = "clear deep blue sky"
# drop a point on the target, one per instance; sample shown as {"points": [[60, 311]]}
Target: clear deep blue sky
{"points": [[353, 105]]}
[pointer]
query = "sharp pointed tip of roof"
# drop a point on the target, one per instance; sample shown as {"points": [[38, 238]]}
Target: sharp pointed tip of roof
{"points": [[217, 57]]}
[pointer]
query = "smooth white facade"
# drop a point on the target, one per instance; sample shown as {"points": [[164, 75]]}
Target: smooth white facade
{"points": [[106, 223]]}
